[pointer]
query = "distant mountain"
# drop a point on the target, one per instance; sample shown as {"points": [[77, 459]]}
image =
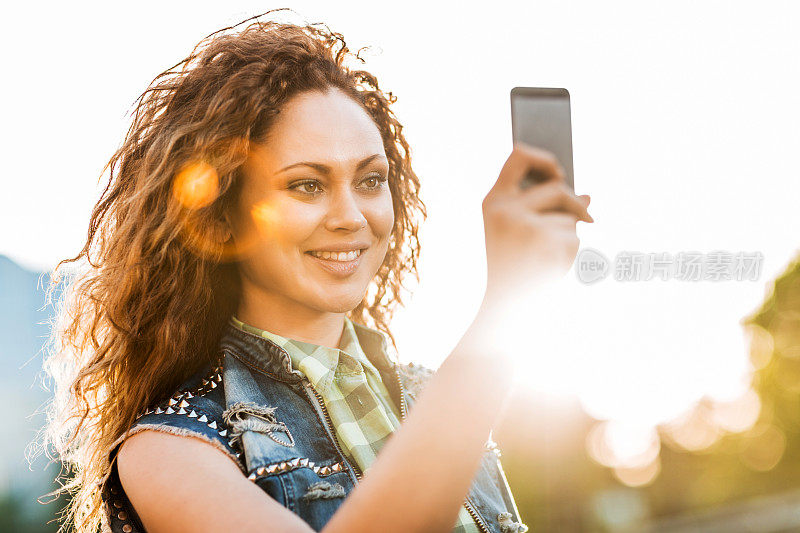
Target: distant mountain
{"points": [[24, 328]]}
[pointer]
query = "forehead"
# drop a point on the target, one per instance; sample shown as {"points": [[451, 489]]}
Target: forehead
{"points": [[326, 127]]}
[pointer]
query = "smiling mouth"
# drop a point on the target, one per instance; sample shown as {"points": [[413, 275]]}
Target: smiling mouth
{"points": [[339, 264], [341, 257]]}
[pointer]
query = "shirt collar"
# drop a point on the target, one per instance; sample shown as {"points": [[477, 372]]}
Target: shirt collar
{"points": [[319, 363]]}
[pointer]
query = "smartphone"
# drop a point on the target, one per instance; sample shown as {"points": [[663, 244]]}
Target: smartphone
{"points": [[541, 117]]}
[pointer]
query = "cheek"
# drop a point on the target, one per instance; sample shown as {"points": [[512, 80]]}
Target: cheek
{"points": [[381, 217], [275, 223], [277, 233]]}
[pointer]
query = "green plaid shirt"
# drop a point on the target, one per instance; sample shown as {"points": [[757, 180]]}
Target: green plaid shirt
{"points": [[361, 409]]}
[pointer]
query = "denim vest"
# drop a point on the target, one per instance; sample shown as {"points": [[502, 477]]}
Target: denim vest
{"points": [[267, 418]]}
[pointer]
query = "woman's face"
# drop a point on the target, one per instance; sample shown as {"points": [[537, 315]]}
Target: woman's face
{"points": [[317, 184]]}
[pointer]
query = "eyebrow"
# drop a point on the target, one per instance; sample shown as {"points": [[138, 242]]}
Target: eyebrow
{"points": [[325, 169]]}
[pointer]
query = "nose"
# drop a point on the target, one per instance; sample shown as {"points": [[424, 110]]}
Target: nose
{"points": [[344, 213]]}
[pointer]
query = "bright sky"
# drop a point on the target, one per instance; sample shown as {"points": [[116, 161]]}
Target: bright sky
{"points": [[685, 132]]}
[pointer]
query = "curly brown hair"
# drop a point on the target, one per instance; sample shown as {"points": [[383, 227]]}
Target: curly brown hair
{"points": [[154, 292]]}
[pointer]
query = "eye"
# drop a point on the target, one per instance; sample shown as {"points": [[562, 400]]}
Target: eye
{"points": [[375, 181], [308, 187]]}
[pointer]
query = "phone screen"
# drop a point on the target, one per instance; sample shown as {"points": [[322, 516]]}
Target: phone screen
{"points": [[541, 117]]}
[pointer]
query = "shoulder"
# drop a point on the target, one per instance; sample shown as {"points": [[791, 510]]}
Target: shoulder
{"points": [[195, 409], [172, 483], [414, 377]]}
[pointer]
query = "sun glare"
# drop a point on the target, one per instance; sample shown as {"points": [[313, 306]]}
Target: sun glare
{"points": [[196, 185]]}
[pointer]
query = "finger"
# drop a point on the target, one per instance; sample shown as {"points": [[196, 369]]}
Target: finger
{"points": [[559, 219], [545, 166], [524, 158], [540, 158], [556, 196]]}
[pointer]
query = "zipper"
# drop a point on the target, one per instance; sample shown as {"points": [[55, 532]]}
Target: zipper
{"points": [[467, 504], [403, 408], [505, 482], [329, 428], [475, 516]]}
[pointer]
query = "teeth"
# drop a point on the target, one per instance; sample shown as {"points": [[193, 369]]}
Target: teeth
{"points": [[337, 256]]}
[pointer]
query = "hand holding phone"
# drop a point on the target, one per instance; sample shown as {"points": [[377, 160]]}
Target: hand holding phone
{"points": [[541, 117], [530, 233]]}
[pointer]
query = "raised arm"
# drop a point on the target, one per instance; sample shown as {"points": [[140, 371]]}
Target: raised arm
{"points": [[423, 473]]}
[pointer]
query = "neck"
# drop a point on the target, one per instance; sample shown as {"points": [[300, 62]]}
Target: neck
{"points": [[289, 318]]}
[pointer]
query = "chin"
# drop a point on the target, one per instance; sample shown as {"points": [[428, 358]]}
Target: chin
{"points": [[340, 304]]}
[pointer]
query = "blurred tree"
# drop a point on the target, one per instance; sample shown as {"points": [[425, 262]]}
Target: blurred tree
{"points": [[722, 467]]}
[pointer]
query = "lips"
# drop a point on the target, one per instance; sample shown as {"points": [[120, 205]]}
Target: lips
{"points": [[337, 256], [341, 247], [339, 268]]}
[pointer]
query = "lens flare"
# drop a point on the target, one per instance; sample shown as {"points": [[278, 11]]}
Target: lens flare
{"points": [[265, 216], [694, 431], [737, 415], [638, 476], [784, 328], [763, 452], [762, 345], [621, 445], [196, 185]]}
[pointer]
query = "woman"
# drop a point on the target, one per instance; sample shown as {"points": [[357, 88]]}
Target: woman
{"points": [[261, 210]]}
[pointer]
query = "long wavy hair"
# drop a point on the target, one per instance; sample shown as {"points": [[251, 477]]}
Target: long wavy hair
{"points": [[149, 294]]}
